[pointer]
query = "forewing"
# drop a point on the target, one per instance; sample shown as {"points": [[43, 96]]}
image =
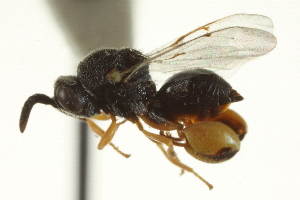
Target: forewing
{"points": [[217, 45], [221, 44], [240, 20], [216, 50]]}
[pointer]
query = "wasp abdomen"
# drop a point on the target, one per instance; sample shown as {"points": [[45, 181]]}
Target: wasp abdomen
{"points": [[197, 94]]}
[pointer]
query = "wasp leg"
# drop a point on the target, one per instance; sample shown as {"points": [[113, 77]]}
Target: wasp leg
{"points": [[102, 116], [158, 138], [175, 160], [167, 134], [101, 132], [180, 142], [109, 133]]}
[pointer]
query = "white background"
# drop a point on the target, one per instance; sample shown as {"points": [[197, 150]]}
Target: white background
{"points": [[41, 163]]}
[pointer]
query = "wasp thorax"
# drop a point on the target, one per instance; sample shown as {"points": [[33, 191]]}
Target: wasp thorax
{"points": [[211, 142]]}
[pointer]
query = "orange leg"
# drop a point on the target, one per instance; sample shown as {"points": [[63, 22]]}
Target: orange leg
{"points": [[158, 138], [101, 133], [170, 153], [109, 133], [180, 142], [175, 160], [102, 116]]}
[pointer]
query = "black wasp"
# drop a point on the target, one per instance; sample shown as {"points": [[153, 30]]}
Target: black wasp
{"points": [[114, 83]]}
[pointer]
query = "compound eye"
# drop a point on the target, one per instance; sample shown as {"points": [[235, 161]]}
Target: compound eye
{"points": [[68, 99], [211, 142]]}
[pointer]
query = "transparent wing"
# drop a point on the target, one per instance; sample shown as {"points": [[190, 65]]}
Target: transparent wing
{"points": [[222, 49], [238, 20], [221, 44]]}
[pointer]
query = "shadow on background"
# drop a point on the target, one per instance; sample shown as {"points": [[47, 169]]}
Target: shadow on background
{"points": [[92, 24]]}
